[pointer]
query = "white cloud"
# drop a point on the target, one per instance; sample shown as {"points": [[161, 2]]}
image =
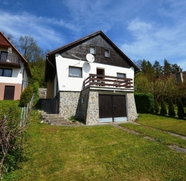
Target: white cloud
{"points": [[41, 28]]}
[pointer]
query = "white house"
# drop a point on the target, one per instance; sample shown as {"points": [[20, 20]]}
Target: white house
{"points": [[14, 70], [92, 80]]}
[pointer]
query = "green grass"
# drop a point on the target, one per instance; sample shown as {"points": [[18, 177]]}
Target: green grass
{"points": [[158, 135], [94, 153], [165, 123]]}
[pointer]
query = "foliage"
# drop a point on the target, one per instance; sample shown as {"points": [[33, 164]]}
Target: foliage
{"points": [[35, 87], [29, 48], [10, 136], [26, 96], [144, 102], [163, 110], [171, 109], [38, 70], [180, 109], [156, 107]]}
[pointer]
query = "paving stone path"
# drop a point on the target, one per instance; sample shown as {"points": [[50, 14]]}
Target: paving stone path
{"points": [[173, 147]]}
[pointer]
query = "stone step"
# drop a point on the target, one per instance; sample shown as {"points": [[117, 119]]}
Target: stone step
{"points": [[56, 119]]}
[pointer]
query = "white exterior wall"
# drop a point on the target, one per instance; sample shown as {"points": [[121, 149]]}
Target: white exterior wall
{"points": [[66, 83]]}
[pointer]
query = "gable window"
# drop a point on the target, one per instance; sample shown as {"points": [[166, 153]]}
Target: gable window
{"points": [[107, 53], [92, 50], [4, 55], [121, 75], [5, 72], [75, 72]]}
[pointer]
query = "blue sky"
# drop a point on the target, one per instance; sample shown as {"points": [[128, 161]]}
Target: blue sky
{"points": [[142, 29]]}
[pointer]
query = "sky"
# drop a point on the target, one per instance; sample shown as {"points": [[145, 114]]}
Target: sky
{"points": [[142, 29]]}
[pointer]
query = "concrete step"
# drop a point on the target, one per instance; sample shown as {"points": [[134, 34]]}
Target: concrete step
{"points": [[56, 119]]}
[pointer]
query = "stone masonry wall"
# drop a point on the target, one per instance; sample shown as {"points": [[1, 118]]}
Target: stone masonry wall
{"points": [[81, 113], [68, 102], [131, 107], [93, 108]]}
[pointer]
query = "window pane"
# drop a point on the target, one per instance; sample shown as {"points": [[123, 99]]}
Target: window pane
{"points": [[7, 72], [107, 53], [120, 75], [92, 50], [4, 56], [1, 72], [75, 72]]}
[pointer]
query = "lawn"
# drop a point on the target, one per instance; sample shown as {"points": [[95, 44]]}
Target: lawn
{"points": [[164, 123], [95, 153]]}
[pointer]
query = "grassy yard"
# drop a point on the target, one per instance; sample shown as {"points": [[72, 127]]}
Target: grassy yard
{"points": [[97, 153], [164, 123]]}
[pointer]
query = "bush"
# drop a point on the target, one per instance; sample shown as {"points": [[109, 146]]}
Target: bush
{"points": [[156, 107], [36, 92], [26, 96], [144, 102], [171, 109], [11, 136], [180, 109]]}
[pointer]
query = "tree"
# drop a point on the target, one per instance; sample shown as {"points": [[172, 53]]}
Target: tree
{"points": [[29, 48], [158, 69], [171, 109], [167, 68], [163, 110]]}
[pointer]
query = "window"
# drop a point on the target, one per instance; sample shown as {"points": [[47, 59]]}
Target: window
{"points": [[107, 53], [4, 56], [121, 75], [92, 50], [6, 72], [75, 72]]}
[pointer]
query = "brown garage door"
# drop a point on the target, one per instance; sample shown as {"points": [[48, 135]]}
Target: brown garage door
{"points": [[112, 107], [9, 93]]}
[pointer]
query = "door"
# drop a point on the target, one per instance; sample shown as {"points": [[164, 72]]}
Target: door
{"points": [[100, 76], [112, 108], [9, 93]]}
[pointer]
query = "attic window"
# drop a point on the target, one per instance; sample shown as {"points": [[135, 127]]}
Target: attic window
{"points": [[75, 72], [92, 50], [107, 53]]}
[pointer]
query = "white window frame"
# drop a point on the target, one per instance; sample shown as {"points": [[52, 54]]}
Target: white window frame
{"points": [[93, 50], [75, 72], [107, 53], [121, 75]]}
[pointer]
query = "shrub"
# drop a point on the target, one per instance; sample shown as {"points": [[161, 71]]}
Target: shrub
{"points": [[11, 137], [180, 109], [171, 109], [163, 110], [26, 96], [144, 102], [36, 92], [156, 107]]}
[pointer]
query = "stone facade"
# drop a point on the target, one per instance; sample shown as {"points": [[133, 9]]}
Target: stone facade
{"points": [[131, 107], [68, 103], [84, 105]]}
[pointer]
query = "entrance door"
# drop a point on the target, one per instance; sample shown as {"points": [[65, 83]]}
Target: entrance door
{"points": [[9, 93], [100, 74], [112, 108]]}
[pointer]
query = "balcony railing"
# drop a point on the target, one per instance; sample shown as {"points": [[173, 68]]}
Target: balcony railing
{"points": [[107, 81], [11, 60]]}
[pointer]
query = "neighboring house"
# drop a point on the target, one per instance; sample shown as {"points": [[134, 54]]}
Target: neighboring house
{"points": [[14, 71], [91, 79]]}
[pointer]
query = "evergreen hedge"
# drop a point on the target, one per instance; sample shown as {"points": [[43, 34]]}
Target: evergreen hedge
{"points": [[144, 102]]}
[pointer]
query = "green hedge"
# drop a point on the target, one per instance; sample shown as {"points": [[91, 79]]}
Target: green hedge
{"points": [[144, 102]]}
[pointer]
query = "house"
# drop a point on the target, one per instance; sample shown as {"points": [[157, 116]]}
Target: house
{"points": [[14, 70], [91, 79]]}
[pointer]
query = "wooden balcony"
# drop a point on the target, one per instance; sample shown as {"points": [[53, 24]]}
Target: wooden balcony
{"points": [[10, 61], [103, 81]]}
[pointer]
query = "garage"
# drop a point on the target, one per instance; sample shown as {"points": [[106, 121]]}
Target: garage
{"points": [[112, 108]]}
